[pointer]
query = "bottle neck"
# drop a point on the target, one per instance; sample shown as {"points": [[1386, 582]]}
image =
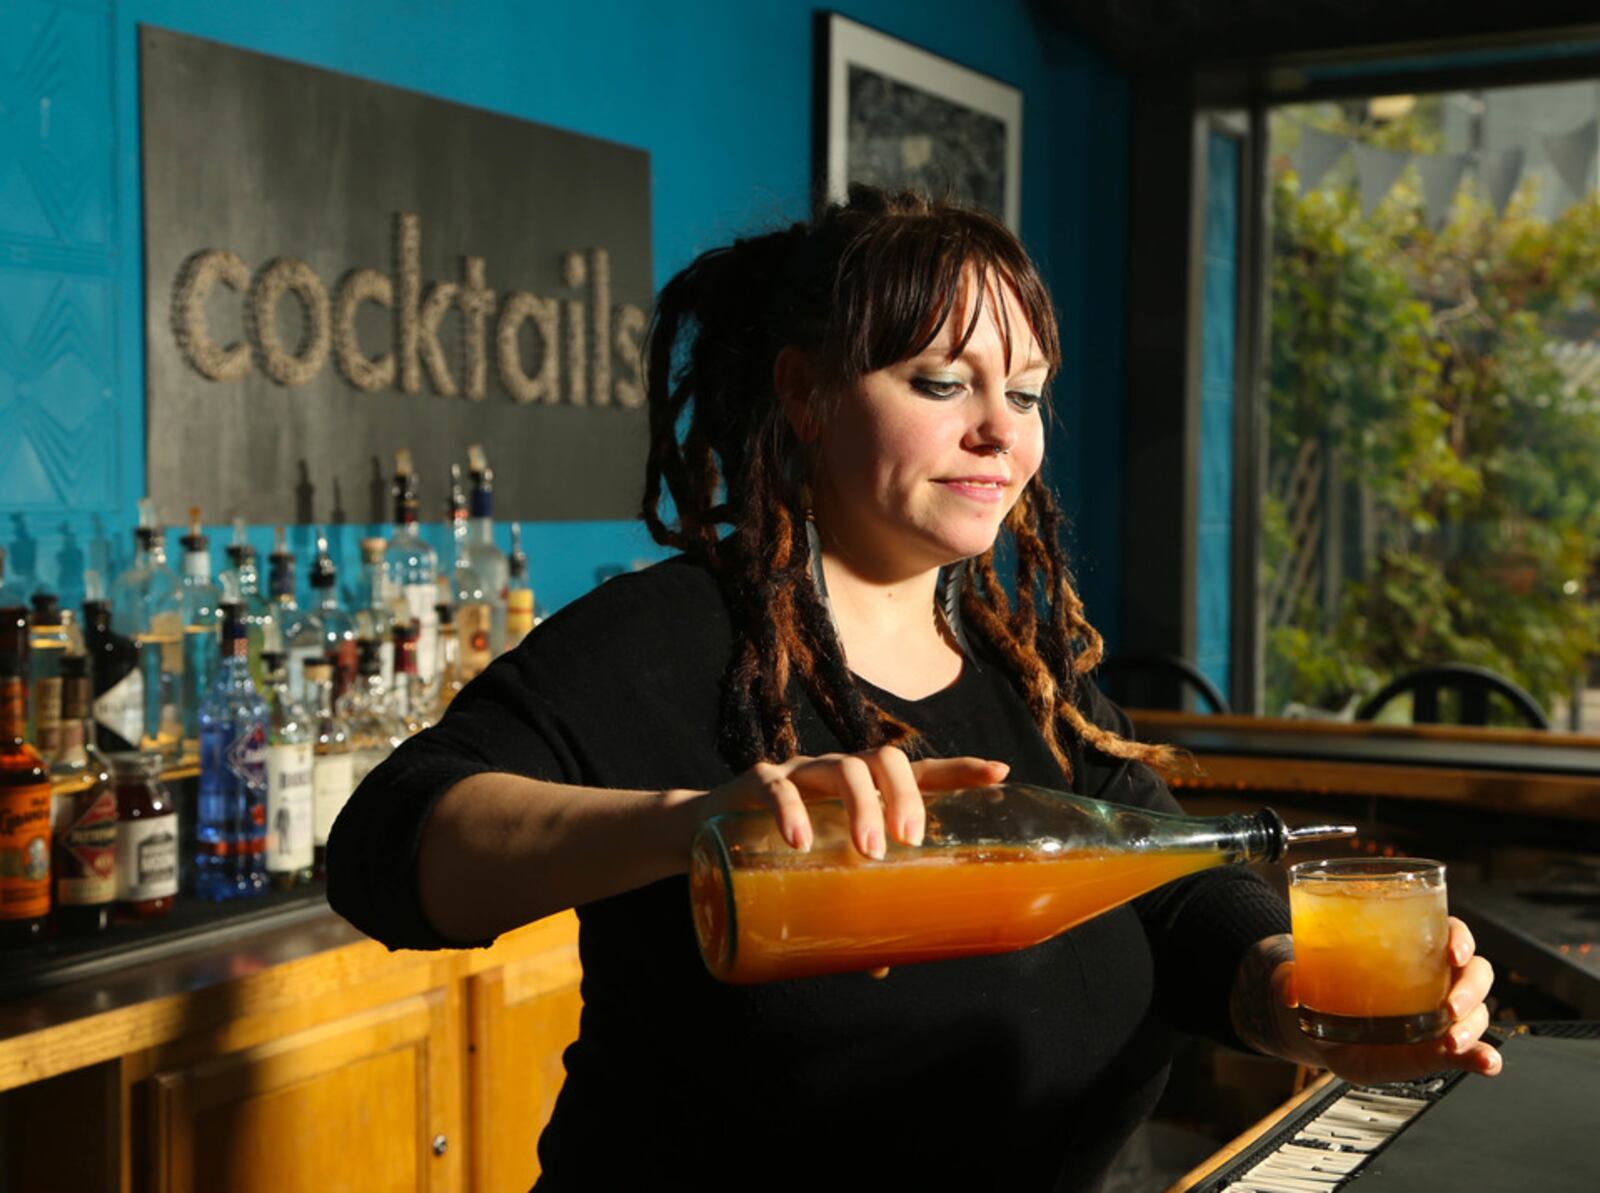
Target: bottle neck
{"points": [[197, 565], [13, 710]]}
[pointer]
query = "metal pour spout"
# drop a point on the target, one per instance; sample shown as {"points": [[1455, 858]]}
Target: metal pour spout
{"points": [[1319, 832]]}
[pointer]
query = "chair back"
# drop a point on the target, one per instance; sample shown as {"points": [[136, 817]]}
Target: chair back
{"points": [[1474, 684], [1145, 679]]}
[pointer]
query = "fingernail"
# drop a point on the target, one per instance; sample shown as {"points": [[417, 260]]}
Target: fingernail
{"points": [[1494, 1064], [910, 834], [797, 838], [1459, 1040], [1454, 1008], [875, 844]]}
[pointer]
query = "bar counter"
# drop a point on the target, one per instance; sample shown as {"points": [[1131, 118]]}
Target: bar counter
{"points": [[386, 1069]]}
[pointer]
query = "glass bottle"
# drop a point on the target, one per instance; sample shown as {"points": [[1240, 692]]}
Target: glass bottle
{"points": [[375, 618], [521, 615], [470, 593], [485, 556], [84, 815], [332, 777], [241, 585], [290, 751], [374, 726], [410, 693], [200, 602], [282, 602], [147, 837], [47, 647], [145, 609], [999, 868], [231, 836], [117, 683], [24, 802], [411, 565], [448, 670], [326, 632]]}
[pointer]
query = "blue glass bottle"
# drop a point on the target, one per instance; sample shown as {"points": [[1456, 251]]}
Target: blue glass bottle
{"points": [[231, 836]]}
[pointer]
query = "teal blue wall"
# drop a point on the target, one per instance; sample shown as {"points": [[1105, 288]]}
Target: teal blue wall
{"points": [[718, 92], [1219, 316]]}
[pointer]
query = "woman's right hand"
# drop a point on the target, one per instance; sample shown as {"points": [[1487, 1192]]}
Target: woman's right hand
{"points": [[881, 790]]}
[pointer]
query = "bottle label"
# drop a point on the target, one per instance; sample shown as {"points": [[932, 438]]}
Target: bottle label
{"points": [[332, 778], [473, 623], [47, 715], [167, 629], [24, 852], [419, 600], [147, 858], [295, 669], [86, 850], [289, 806], [120, 710]]}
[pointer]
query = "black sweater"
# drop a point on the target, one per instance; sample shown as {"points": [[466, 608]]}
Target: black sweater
{"points": [[1014, 1071]]}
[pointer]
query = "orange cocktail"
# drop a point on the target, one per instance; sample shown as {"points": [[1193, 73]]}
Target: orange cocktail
{"points": [[1370, 949], [798, 916]]}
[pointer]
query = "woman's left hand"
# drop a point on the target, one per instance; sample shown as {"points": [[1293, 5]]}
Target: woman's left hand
{"points": [[1459, 1048]]}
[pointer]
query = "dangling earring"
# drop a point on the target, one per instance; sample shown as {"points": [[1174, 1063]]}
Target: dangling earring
{"points": [[952, 582]]}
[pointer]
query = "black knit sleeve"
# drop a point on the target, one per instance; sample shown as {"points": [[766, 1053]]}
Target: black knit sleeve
{"points": [[498, 723], [1199, 927]]}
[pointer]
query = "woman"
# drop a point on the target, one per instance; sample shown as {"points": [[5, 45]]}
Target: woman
{"points": [[847, 415]]}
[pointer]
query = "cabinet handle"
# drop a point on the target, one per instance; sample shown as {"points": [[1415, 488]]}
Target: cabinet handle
{"points": [[440, 1145]]}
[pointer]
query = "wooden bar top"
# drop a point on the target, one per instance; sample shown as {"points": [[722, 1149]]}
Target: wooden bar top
{"points": [[1554, 775], [211, 988]]}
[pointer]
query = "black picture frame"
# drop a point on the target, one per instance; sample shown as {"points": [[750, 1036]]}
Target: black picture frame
{"points": [[892, 114]]}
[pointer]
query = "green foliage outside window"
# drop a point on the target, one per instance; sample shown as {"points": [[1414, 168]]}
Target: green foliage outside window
{"points": [[1419, 359]]}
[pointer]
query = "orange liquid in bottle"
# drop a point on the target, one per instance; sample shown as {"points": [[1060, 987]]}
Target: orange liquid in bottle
{"points": [[793, 919]]}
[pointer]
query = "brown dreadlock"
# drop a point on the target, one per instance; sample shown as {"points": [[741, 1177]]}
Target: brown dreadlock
{"points": [[864, 285]]}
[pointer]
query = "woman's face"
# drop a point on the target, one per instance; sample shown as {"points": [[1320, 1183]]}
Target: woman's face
{"points": [[917, 464]]}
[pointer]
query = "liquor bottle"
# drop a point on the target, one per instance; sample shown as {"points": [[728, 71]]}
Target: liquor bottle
{"points": [[290, 751], [521, 616], [241, 585], [470, 592], [332, 779], [487, 559], [376, 616], [84, 815], [147, 837], [326, 631], [230, 854], [368, 709], [200, 602], [999, 868], [13, 596], [144, 608], [24, 803], [47, 647], [282, 602], [116, 681], [413, 699], [412, 565], [447, 678]]}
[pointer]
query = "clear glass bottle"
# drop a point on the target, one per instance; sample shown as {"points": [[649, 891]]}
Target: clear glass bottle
{"points": [[410, 696], [332, 776], [145, 609], [241, 585], [281, 599], [290, 780], [447, 676], [368, 709], [470, 591], [337, 627], [521, 614], [116, 680], [411, 564], [47, 647], [485, 555], [200, 602], [84, 815], [24, 801], [147, 837], [376, 614], [231, 836], [1000, 868]]}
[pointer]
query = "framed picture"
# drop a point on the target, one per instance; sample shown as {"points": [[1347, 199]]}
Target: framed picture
{"points": [[895, 116]]}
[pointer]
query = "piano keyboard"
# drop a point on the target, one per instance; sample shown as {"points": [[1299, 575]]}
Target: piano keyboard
{"points": [[1331, 1146]]}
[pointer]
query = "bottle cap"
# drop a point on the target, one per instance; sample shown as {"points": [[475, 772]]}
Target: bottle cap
{"points": [[372, 550], [317, 671], [323, 572], [195, 540], [446, 614], [46, 609]]}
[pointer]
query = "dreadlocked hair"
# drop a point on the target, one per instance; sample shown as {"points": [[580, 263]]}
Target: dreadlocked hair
{"points": [[865, 284]]}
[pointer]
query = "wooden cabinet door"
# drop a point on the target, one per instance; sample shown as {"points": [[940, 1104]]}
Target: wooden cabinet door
{"points": [[521, 1017], [364, 1103]]}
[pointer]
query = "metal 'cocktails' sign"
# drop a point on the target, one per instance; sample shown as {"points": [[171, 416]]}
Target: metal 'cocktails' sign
{"points": [[337, 269]]}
